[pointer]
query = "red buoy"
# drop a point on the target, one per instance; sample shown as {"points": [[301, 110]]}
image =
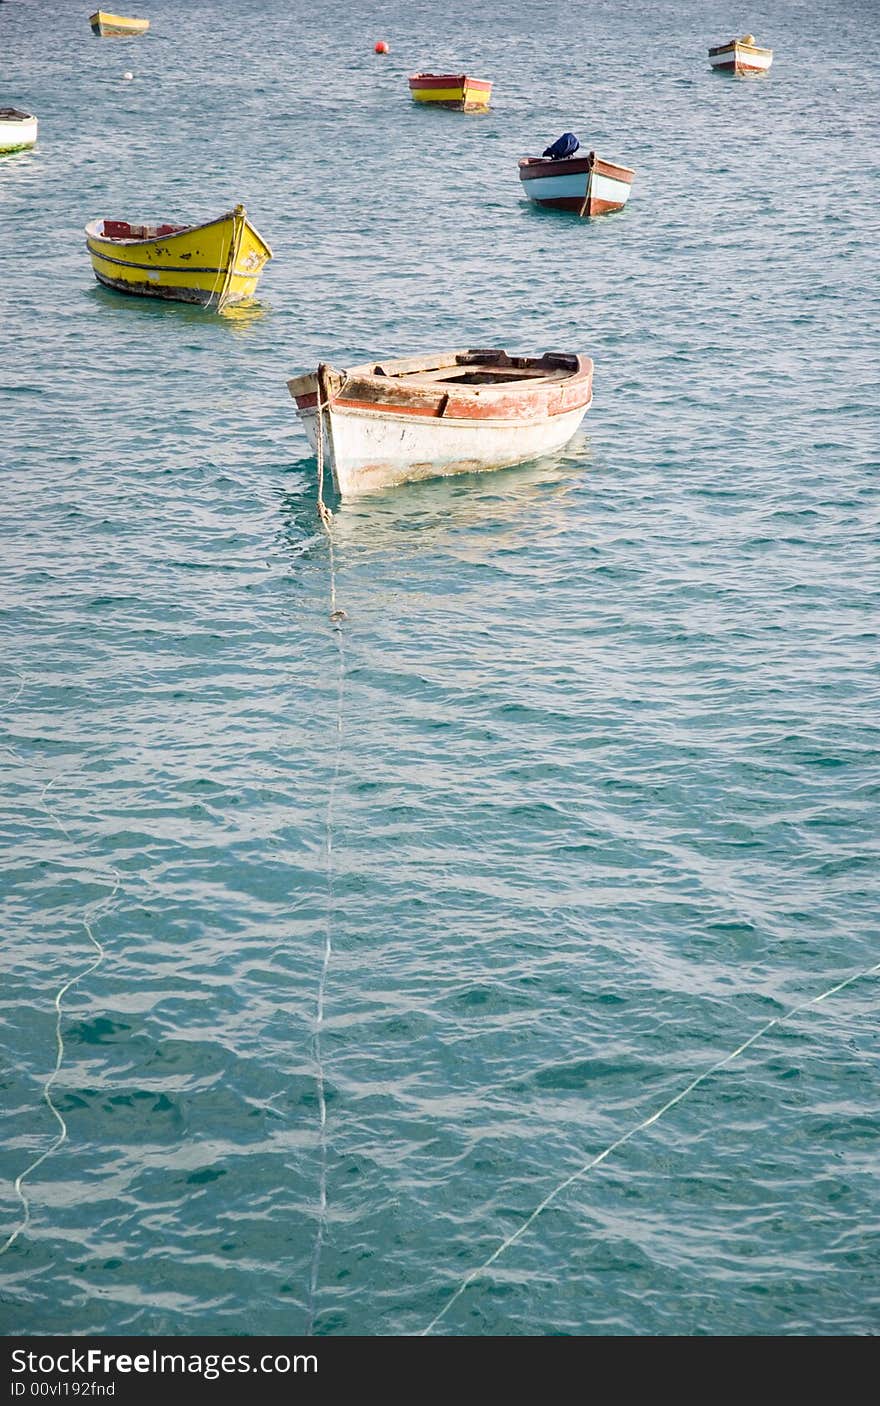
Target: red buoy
{"points": [[381, 47]]}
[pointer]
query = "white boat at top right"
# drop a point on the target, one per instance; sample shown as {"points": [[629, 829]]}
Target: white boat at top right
{"points": [[740, 56]]}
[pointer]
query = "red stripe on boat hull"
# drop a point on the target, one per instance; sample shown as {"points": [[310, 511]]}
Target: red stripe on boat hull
{"points": [[533, 168], [449, 80], [460, 409], [740, 67], [576, 203]]}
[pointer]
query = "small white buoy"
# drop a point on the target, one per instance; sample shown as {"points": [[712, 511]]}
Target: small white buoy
{"points": [[127, 75]]}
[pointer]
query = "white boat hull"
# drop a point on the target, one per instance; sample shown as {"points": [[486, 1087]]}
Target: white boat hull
{"points": [[574, 187], [741, 58], [17, 135], [368, 450]]}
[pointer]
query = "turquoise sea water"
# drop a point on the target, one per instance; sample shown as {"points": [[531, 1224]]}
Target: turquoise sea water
{"points": [[584, 791]]}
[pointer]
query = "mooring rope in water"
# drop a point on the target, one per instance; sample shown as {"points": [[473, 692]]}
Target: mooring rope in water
{"points": [[14, 699], [646, 1123], [61, 1136], [226, 274], [336, 617], [323, 511]]}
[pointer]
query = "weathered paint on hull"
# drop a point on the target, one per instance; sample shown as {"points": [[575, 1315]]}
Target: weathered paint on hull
{"points": [[369, 451], [214, 264], [437, 413], [155, 290]]}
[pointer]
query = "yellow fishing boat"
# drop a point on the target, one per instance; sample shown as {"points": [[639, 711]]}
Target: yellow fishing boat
{"points": [[105, 24], [213, 264]]}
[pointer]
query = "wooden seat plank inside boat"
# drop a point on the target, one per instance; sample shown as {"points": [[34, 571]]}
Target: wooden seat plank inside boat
{"points": [[467, 376], [477, 368]]}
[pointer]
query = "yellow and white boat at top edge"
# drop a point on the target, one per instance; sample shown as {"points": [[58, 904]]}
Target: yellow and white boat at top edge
{"points": [[212, 264], [105, 24]]}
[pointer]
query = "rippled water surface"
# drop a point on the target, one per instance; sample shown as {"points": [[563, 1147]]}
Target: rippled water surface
{"points": [[583, 793]]}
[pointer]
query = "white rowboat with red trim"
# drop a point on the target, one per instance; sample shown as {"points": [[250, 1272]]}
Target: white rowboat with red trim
{"points": [[586, 184], [741, 56], [390, 422]]}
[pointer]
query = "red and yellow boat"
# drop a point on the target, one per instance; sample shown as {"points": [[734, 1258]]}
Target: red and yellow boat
{"points": [[454, 90]]}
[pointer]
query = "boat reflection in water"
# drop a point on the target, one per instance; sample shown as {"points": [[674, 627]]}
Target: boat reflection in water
{"points": [[471, 515]]}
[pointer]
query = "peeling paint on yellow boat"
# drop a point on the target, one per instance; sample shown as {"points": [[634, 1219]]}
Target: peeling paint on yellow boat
{"points": [[213, 264]]}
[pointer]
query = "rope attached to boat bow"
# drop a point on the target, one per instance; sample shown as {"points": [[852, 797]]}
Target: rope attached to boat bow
{"points": [[325, 514], [321, 405]]}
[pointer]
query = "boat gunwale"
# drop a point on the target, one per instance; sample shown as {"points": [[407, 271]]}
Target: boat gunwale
{"points": [[460, 359], [125, 243], [135, 23], [361, 390], [535, 167], [448, 80], [735, 44], [340, 406]]}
